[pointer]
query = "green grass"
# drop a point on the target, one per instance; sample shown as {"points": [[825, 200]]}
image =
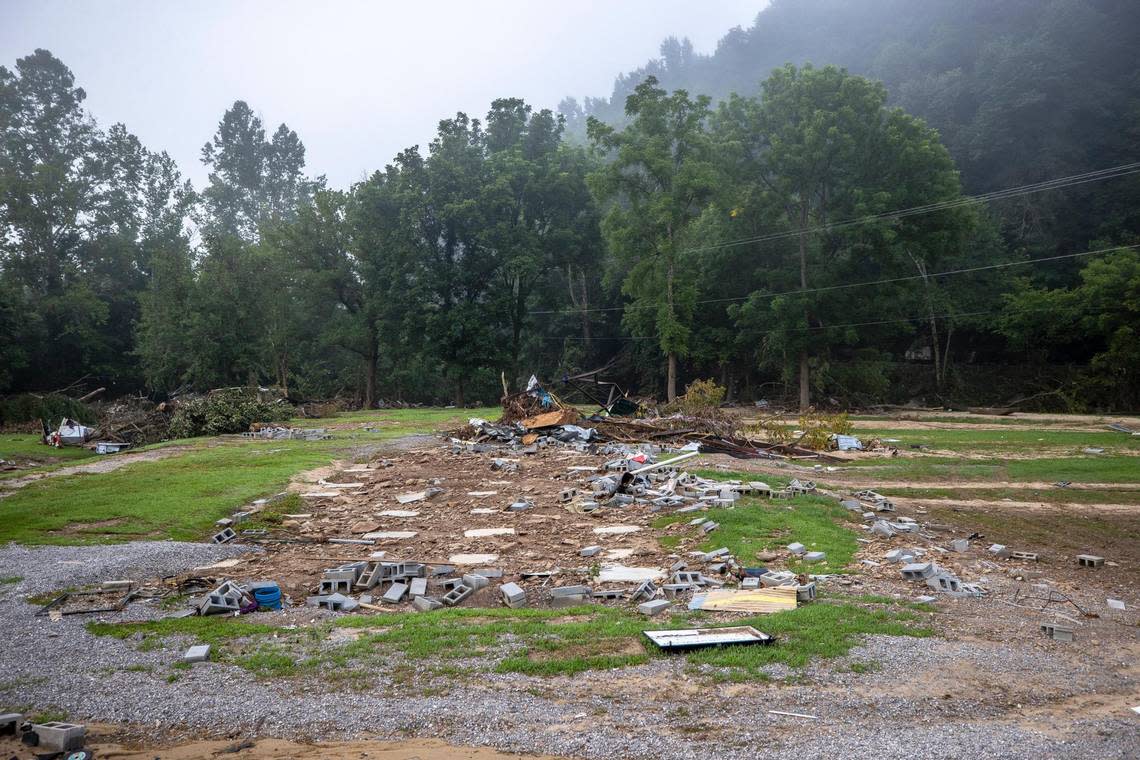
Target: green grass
{"points": [[28, 446], [1048, 495], [535, 642], [180, 497], [10, 579], [1011, 440], [1088, 469], [756, 525]]}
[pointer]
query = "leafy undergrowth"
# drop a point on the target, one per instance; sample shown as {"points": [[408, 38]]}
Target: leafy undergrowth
{"points": [[756, 524], [152, 499], [457, 643]]}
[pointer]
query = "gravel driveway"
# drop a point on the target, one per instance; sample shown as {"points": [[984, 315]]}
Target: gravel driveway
{"points": [[924, 698]]}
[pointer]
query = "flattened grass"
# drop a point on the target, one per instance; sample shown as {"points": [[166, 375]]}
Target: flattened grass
{"points": [[535, 642]]}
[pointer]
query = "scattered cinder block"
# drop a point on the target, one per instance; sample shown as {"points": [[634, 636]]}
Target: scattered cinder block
{"points": [[513, 595], [797, 548], [709, 526], [917, 571], [225, 522], [806, 592], [883, 528], [609, 593], [426, 603], [1089, 560], [457, 594], [589, 551], [1026, 556], [654, 607], [815, 556], [198, 653], [395, 593], [959, 545], [488, 572], [475, 581], [570, 591], [10, 723], [57, 736], [225, 535], [570, 600], [750, 583], [1057, 632], [999, 550], [417, 587], [567, 495]]}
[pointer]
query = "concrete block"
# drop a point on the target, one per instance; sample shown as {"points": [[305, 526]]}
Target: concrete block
{"points": [[520, 506], [709, 526], [917, 571], [654, 607], [417, 587], [488, 572], [806, 592], [457, 594], [1057, 632], [567, 495], [646, 590], [797, 548], [199, 653], [944, 582], [589, 551], [750, 583], [475, 581], [906, 527], [609, 593], [435, 571], [959, 545], [815, 556], [571, 600], [426, 603], [686, 578], [225, 535], [1025, 556], [717, 554], [451, 583], [334, 586], [1089, 560], [57, 736], [999, 550], [570, 591], [513, 595], [225, 522], [240, 517], [883, 528], [395, 593], [10, 723]]}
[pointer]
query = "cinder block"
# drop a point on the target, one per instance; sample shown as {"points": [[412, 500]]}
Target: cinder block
{"points": [[488, 572], [1057, 632], [917, 571], [198, 653], [750, 583], [1026, 556], [959, 545], [475, 581], [457, 594], [513, 595], [654, 607], [437, 570], [815, 556], [609, 593], [646, 590], [225, 522], [418, 587], [806, 592], [567, 494], [395, 593], [570, 591], [883, 528], [999, 550], [1089, 560], [589, 551], [797, 548], [944, 582], [570, 600], [426, 603], [60, 737], [225, 535], [10, 723], [709, 526]]}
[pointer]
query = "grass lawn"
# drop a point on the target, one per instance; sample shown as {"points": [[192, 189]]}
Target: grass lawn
{"points": [[181, 496], [1101, 468], [1046, 495], [1011, 440], [756, 524], [24, 446], [528, 641]]}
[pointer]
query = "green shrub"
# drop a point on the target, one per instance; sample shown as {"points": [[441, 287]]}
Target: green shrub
{"points": [[27, 408]]}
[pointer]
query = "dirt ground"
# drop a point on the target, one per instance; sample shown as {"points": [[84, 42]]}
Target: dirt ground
{"points": [[273, 749]]}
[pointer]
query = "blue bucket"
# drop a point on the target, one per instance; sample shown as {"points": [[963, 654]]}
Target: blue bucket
{"points": [[268, 598]]}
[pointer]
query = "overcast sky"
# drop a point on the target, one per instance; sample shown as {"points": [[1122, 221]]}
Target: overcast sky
{"points": [[358, 81]]}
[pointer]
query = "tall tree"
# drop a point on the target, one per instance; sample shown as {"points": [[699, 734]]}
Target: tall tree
{"points": [[661, 175]]}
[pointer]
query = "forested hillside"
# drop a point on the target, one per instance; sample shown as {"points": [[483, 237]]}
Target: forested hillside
{"points": [[800, 233]]}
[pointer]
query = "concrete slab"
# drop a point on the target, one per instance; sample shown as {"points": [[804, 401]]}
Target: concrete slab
{"points": [[488, 532]]}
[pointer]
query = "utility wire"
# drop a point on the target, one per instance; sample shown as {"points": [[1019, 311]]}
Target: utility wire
{"points": [[1053, 184], [827, 288], [817, 328]]}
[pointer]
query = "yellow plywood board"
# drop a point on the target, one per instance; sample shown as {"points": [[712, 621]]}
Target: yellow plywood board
{"points": [[759, 601]]}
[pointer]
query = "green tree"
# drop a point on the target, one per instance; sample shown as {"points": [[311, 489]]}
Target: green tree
{"points": [[661, 175]]}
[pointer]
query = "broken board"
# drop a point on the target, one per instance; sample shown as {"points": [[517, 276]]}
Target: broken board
{"points": [[699, 638], [756, 601]]}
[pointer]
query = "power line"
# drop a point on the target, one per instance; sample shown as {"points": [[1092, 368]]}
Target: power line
{"points": [[817, 328], [1053, 184], [827, 288]]}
